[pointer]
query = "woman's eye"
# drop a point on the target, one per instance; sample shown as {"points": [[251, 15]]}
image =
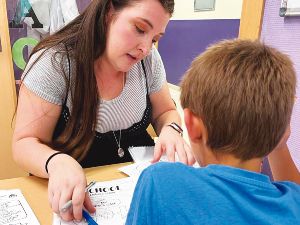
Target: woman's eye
{"points": [[154, 41], [139, 30]]}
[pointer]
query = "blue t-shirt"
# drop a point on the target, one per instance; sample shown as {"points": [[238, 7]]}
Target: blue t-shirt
{"points": [[173, 193]]}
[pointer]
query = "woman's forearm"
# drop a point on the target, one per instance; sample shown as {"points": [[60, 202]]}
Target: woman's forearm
{"points": [[166, 118], [283, 166], [30, 154]]}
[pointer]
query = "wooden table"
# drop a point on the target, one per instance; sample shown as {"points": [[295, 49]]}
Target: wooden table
{"points": [[35, 189]]}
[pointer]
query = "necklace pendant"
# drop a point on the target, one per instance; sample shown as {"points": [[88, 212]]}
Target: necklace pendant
{"points": [[121, 152]]}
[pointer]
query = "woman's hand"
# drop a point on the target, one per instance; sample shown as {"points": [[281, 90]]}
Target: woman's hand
{"points": [[281, 162], [171, 142], [67, 181]]}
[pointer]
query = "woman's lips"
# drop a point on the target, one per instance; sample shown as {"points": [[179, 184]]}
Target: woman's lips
{"points": [[132, 57]]}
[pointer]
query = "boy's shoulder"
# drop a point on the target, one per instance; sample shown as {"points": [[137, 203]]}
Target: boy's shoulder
{"points": [[179, 172], [162, 171], [167, 167], [283, 185]]}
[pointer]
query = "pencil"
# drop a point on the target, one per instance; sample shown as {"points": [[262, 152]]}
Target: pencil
{"points": [[68, 204]]}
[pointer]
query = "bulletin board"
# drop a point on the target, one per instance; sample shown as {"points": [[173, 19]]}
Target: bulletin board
{"points": [[22, 37]]}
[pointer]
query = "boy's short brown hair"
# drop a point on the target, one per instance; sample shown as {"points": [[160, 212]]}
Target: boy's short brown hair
{"points": [[244, 92]]}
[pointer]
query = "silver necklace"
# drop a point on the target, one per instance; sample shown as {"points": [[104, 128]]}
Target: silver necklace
{"points": [[120, 151]]}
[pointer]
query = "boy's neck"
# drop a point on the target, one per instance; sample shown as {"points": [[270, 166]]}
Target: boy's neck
{"points": [[252, 164], [230, 160]]}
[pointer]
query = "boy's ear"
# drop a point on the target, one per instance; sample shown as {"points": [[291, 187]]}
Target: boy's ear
{"points": [[195, 127]]}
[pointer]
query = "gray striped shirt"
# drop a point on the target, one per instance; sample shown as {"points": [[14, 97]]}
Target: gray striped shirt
{"points": [[119, 113]]}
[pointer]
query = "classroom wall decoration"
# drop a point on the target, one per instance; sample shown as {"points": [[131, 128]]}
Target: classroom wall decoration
{"points": [[284, 34], [31, 20]]}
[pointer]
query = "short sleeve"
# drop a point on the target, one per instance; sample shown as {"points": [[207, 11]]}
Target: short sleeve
{"points": [[144, 208], [156, 74], [44, 77]]}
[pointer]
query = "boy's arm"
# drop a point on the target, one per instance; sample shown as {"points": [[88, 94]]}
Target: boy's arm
{"points": [[282, 165]]}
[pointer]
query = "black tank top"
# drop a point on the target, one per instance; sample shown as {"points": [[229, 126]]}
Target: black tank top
{"points": [[104, 149]]}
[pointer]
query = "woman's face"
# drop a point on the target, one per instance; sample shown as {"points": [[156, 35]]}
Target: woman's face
{"points": [[132, 32]]}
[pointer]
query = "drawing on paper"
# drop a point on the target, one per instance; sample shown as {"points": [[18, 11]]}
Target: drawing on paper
{"points": [[14, 209], [11, 212]]}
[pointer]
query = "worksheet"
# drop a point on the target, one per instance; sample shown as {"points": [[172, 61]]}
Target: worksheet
{"points": [[134, 170], [14, 209], [142, 157], [112, 201], [144, 153]]}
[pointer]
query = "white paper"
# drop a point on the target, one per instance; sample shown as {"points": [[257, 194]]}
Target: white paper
{"points": [[139, 154], [14, 209], [135, 169], [112, 201], [143, 155]]}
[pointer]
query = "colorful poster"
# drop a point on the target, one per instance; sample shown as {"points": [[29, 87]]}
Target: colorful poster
{"points": [[31, 20]]}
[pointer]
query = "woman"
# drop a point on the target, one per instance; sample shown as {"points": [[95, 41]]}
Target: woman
{"points": [[90, 91]]}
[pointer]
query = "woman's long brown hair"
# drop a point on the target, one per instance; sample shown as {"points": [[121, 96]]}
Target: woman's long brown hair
{"points": [[84, 40]]}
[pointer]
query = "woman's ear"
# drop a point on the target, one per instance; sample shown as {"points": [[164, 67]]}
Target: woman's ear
{"points": [[195, 127], [110, 14]]}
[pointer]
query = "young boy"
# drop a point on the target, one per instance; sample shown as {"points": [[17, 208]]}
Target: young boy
{"points": [[237, 98]]}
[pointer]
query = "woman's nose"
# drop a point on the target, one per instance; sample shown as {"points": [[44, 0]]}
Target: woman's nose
{"points": [[145, 47]]}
